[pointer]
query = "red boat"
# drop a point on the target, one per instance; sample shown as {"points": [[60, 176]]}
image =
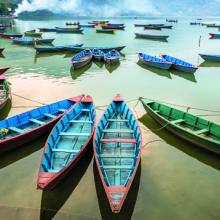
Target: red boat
{"points": [[114, 27], [1, 50], [66, 144], [3, 69], [28, 126], [9, 36], [117, 148]]}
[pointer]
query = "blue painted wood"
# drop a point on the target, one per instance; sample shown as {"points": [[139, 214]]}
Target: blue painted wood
{"points": [[180, 64], [82, 59], [98, 54], [154, 61], [112, 57], [209, 57], [30, 41], [47, 49]]}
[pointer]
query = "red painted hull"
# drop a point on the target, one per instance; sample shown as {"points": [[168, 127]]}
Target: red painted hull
{"points": [[9, 36], [3, 69], [116, 189]]}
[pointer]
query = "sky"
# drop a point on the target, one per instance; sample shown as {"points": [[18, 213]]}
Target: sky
{"points": [[126, 7]]}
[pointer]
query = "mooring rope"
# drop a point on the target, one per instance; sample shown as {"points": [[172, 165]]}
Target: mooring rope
{"points": [[28, 99]]}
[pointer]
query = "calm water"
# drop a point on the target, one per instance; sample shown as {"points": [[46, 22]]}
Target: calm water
{"points": [[175, 180]]}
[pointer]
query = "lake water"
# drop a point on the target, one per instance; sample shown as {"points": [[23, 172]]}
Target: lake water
{"points": [[175, 179]]}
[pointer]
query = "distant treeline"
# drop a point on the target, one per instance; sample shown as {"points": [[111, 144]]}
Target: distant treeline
{"points": [[7, 6]]}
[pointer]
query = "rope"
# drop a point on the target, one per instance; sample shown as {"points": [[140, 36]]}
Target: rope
{"points": [[150, 142], [28, 99], [25, 106]]}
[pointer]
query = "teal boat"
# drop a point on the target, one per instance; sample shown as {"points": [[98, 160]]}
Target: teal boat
{"points": [[196, 130]]}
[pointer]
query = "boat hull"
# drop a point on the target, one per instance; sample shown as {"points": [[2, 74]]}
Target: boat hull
{"points": [[214, 58], [104, 49], [151, 37], [164, 66]]}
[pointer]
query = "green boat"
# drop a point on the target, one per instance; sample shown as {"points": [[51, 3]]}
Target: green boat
{"points": [[203, 133], [105, 31], [33, 34]]}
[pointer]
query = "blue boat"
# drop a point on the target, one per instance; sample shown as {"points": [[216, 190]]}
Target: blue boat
{"points": [[28, 126], [48, 49], [117, 149], [154, 61], [112, 57], [70, 31], [47, 29], [208, 57], [82, 59], [180, 64], [67, 143], [98, 54], [86, 25], [104, 49], [31, 41]]}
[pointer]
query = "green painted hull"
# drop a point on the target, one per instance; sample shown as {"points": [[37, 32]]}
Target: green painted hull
{"points": [[32, 34], [105, 31], [193, 129]]}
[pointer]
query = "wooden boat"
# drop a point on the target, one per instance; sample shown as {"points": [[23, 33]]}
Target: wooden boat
{"points": [[113, 24], [180, 64], [47, 29], [154, 61], [113, 27], [72, 23], [104, 49], [23, 128], [195, 23], [152, 37], [66, 144], [152, 28], [112, 57], [209, 57], [105, 31], [208, 24], [3, 69], [145, 25], [117, 149], [171, 20], [33, 34], [2, 29], [31, 41], [166, 27], [51, 49], [214, 36], [212, 26], [98, 54], [196, 130], [81, 59], [9, 36], [68, 28], [71, 31], [86, 25], [5, 92], [1, 50]]}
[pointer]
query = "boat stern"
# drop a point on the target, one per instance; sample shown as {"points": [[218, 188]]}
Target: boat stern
{"points": [[118, 98]]}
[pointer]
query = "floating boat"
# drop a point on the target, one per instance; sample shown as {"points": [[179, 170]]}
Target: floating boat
{"points": [[112, 57], [180, 64], [112, 24], [23, 128], [152, 37], [66, 144], [3, 69], [99, 22], [145, 25], [152, 28], [71, 31], [31, 41], [86, 25], [32, 34], [47, 29], [2, 29], [105, 31], [154, 61], [104, 49], [171, 20], [195, 23], [72, 23], [68, 28], [113, 27], [9, 36], [98, 54], [1, 50], [212, 26], [208, 57], [196, 130], [166, 27], [81, 59], [117, 149], [48, 49], [5, 93], [5, 25], [214, 36], [208, 24]]}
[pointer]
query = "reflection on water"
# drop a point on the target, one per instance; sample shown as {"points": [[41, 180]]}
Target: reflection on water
{"points": [[75, 73], [100, 64], [112, 68], [200, 154], [210, 64], [5, 111], [53, 200], [44, 55], [188, 76], [158, 71], [19, 153], [129, 204]]}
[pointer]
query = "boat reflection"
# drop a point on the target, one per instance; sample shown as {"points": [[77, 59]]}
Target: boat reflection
{"points": [[100, 64], [129, 204], [200, 154], [112, 68], [210, 64], [76, 73], [188, 76], [53, 200], [160, 72]]}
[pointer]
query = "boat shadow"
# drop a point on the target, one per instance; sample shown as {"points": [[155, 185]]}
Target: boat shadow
{"points": [[160, 72], [100, 64], [53, 200], [5, 111], [2, 56], [130, 201], [187, 76], [17, 154], [112, 68], [200, 154], [76, 73], [210, 64]]}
